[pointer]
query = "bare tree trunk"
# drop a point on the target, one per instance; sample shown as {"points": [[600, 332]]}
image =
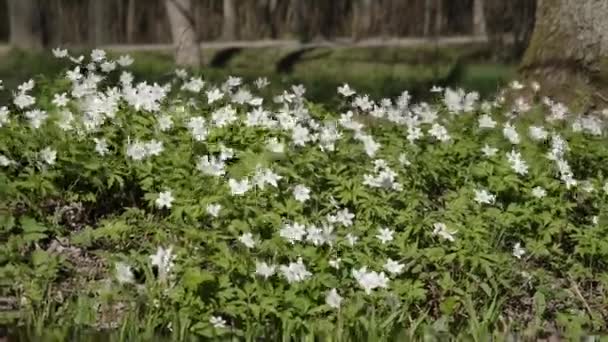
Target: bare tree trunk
{"points": [[428, 8], [131, 21], [187, 51], [438, 17], [297, 11], [98, 24], [25, 25], [569, 46], [362, 18], [229, 21], [479, 19]]}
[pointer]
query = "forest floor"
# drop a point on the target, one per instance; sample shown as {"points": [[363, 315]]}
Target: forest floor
{"points": [[379, 67]]}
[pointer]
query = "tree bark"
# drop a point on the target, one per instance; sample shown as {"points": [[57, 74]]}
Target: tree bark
{"points": [[98, 23], [229, 21], [25, 25], [569, 42], [362, 18], [479, 19], [187, 52], [428, 9], [130, 21], [438, 17]]}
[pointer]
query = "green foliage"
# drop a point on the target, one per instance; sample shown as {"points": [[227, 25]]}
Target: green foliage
{"points": [[69, 224]]}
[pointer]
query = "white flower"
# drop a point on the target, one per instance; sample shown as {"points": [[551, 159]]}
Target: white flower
{"points": [[275, 146], [101, 146], [595, 220], [436, 89], [345, 90], [385, 235], [370, 146], [521, 105], [154, 147], [261, 82], [108, 66], [197, 128], [517, 163], [48, 155], [439, 132], [369, 281], [333, 299], [320, 236], [489, 151], [516, 85], [239, 188], [393, 267], [440, 229], [98, 55], [124, 273], [605, 188], [165, 122], [295, 271], [403, 160], [293, 232], [486, 121], [539, 192], [247, 240], [181, 73], [510, 133], [125, 60], [301, 193], [4, 161], [165, 199], [363, 102], [218, 322], [23, 100], [537, 133], [214, 209], [266, 176], [211, 166], [226, 153], [345, 217], [214, 95], [3, 116], [163, 259], [36, 117], [60, 53], [65, 120], [484, 197], [335, 263], [60, 100], [126, 79], [264, 270], [352, 239], [300, 135], [518, 251], [136, 150], [223, 116], [233, 81]]}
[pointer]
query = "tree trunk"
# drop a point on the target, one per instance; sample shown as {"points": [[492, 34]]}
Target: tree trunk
{"points": [[229, 21], [428, 9], [25, 26], [98, 23], [187, 52], [131, 21], [298, 13], [569, 43], [362, 18], [479, 19], [438, 17]]}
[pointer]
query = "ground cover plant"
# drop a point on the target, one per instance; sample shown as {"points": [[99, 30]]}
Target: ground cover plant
{"points": [[193, 209]]}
